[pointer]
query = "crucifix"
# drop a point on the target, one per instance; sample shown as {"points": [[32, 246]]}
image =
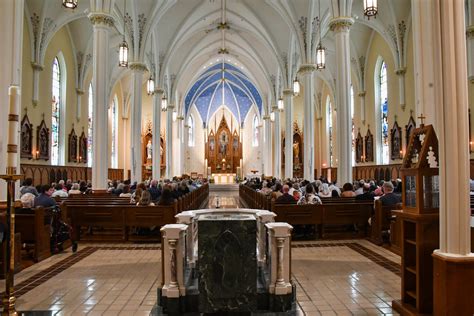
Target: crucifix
{"points": [[422, 119]]}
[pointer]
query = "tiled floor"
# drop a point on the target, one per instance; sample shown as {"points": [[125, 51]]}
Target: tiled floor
{"points": [[349, 277]]}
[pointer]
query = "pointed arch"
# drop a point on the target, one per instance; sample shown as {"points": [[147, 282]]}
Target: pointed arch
{"points": [[58, 109]]}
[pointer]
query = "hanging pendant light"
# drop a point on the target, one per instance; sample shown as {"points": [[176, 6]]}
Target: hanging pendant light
{"points": [[320, 57], [150, 86], [280, 104], [370, 8], [175, 115], [320, 51], [123, 48], [164, 103], [70, 4], [296, 87]]}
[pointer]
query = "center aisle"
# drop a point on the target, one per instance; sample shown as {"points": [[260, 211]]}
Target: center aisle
{"points": [[227, 194]]}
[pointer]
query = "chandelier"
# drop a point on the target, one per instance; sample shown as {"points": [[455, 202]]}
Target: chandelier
{"points": [[70, 4], [123, 48], [370, 8]]}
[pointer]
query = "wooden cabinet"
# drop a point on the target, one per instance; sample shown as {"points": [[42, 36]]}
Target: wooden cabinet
{"points": [[419, 220]]}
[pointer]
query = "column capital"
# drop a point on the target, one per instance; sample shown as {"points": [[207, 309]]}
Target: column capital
{"points": [[341, 23], [170, 107], [101, 19], [471, 79], [266, 117], [307, 69], [470, 31], [401, 71], [362, 93], [37, 66], [79, 91], [159, 91], [137, 66], [287, 92]]}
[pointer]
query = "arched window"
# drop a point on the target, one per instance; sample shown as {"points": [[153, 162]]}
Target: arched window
{"points": [[114, 129], [190, 131], [330, 131], [353, 129], [383, 101], [89, 126], [56, 112], [255, 131]]}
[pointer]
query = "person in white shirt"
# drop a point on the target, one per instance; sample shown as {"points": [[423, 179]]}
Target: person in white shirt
{"points": [[59, 191]]}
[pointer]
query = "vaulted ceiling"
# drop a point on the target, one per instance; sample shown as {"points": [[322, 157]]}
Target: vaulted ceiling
{"points": [[266, 39]]}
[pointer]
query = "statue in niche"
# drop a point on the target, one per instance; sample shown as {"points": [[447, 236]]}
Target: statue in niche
{"points": [[296, 152], [235, 144], [211, 144], [149, 150], [43, 141], [224, 140]]}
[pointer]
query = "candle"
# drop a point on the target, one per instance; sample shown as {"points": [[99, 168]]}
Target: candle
{"points": [[13, 128]]}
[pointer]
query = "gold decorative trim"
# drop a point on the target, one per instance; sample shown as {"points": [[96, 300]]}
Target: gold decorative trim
{"points": [[341, 23], [287, 92], [79, 91], [180, 118], [470, 31], [307, 68], [34, 103], [159, 91], [170, 107], [12, 148], [362, 94], [266, 117], [101, 19], [137, 67], [13, 117], [401, 71], [37, 66], [471, 79]]}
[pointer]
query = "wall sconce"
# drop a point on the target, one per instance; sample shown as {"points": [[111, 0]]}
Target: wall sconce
{"points": [[401, 154], [470, 146], [324, 165], [80, 159], [37, 155]]}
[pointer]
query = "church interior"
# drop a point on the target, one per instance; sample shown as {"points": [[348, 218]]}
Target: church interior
{"points": [[236, 157]]}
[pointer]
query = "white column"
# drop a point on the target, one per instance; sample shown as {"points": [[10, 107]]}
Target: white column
{"points": [[448, 90], [11, 37], [37, 69], [136, 121], [401, 86], [277, 138], [169, 140], [280, 251], [319, 151], [79, 94], [307, 72], [179, 167], [425, 58], [267, 149], [341, 26], [100, 78], [156, 134], [288, 101], [361, 95]]}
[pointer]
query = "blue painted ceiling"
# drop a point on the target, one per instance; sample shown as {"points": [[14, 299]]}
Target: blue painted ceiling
{"points": [[223, 84]]}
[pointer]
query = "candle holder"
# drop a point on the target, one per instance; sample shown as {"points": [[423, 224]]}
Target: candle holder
{"points": [[470, 146], [8, 300]]}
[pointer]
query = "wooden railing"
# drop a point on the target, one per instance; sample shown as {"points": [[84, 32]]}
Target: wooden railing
{"points": [[44, 174]]}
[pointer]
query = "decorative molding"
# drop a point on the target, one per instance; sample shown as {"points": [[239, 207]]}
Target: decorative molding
{"points": [[141, 28], [266, 117], [303, 22], [129, 25], [470, 31], [35, 23], [306, 68], [79, 91], [101, 19], [137, 67], [471, 79], [402, 28], [36, 66], [159, 91], [362, 94], [341, 23], [401, 71], [287, 92]]}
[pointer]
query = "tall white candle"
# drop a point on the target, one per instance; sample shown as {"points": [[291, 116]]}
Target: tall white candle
{"points": [[13, 126]]}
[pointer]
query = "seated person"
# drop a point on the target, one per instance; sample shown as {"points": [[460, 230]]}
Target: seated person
{"points": [[145, 199], [366, 195], [166, 197], [125, 191], [43, 199], [75, 189], [28, 187], [276, 192], [267, 190], [297, 195], [324, 192], [27, 200], [309, 197], [59, 191], [348, 190], [389, 198], [154, 191], [285, 198]]}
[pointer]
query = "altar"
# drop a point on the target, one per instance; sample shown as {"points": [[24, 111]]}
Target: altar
{"points": [[223, 178]]}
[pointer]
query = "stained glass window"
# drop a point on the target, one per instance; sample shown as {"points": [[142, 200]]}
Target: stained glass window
{"points": [[190, 131], [55, 112], [330, 131], [383, 89], [114, 127], [89, 127], [255, 131]]}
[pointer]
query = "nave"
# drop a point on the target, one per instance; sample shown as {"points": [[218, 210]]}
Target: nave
{"points": [[339, 277]]}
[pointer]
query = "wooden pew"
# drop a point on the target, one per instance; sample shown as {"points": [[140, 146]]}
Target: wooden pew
{"points": [[34, 225], [381, 221]]}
